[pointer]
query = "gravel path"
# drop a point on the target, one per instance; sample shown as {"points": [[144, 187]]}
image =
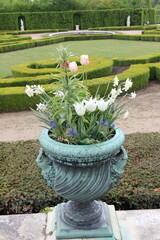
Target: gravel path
{"points": [[144, 117]]}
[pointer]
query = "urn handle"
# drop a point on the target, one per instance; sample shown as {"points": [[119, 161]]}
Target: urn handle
{"points": [[43, 160], [118, 164], [119, 160], [46, 163]]}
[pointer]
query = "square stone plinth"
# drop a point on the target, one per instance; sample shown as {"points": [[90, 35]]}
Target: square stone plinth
{"points": [[134, 225]]}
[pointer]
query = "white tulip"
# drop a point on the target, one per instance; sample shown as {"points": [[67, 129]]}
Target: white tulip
{"points": [[102, 105], [91, 104], [84, 60], [79, 108], [29, 91]]}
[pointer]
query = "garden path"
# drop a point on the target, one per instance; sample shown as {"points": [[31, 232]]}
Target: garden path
{"points": [[144, 117]]}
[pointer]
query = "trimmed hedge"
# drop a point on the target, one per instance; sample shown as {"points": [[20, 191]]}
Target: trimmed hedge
{"points": [[139, 27], [11, 38], [97, 68], [34, 31], [68, 19], [30, 44], [155, 32], [13, 98], [51, 40], [136, 60], [23, 189], [138, 73]]}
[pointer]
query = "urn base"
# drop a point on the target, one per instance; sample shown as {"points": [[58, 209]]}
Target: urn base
{"points": [[107, 227]]}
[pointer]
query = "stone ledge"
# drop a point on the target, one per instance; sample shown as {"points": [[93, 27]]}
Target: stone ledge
{"points": [[134, 225]]}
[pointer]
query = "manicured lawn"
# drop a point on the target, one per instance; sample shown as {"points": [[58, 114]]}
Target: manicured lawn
{"points": [[99, 48]]}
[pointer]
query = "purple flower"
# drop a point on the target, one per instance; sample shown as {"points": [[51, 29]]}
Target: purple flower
{"points": [[48, 114], [105, 124], [70, 131], [101, 122], [113, 125], [52, 124], [68, 124], [73, 132]]}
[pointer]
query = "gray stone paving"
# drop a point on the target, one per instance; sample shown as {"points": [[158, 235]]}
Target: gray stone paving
{"points": [[134, 225]]}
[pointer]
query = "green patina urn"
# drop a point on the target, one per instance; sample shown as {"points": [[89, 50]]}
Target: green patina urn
{"points": [[82, 174]]}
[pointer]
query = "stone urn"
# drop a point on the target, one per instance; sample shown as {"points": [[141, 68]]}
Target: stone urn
{"points": [[82, 174]]}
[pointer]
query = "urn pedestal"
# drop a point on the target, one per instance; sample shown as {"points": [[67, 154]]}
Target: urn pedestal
{"points": [[81, 174]]}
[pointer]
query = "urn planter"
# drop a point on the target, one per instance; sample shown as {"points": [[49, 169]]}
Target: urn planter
{"points": [[82, 174]]}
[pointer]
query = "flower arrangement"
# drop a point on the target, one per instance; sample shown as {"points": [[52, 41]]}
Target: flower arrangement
{"points": [[71, 114]]}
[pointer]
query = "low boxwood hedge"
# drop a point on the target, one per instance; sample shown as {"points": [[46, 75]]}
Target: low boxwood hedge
{"points": [[23, 189], [138, 73], [58, 39], [11, 38], [35, 31], [140, 27], [98, 67], [13, 98], [155, 32], [136, 60]]}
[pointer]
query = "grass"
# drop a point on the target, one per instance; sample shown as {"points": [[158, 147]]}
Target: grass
{"points": [[23, 189], [98, 48]]}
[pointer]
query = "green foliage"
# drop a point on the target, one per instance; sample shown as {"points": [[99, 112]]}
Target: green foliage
{"points": [[68, 19], [97, 68], [33, 31], [153, 32], [11, 38], [136, 60], [157, 16], [138, 73], [13, 98], [139, 27], [134, 191], [23, 189], [17, 45], [37, 5]]}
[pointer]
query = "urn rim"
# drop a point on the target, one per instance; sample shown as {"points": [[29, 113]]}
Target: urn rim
{"points": [[81, 155]]}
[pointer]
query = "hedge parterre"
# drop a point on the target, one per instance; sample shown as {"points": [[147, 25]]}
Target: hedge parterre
{"points": [[13, 98]]}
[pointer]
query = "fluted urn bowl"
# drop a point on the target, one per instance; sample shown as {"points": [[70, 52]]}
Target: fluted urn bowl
{"points": [[82, 173]]}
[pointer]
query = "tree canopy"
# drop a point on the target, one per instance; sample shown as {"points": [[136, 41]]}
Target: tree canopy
{"points": [[67, 5]]}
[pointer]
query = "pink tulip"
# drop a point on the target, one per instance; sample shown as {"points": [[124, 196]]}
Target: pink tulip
{"points": [[73, 67], [84, 59]]}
